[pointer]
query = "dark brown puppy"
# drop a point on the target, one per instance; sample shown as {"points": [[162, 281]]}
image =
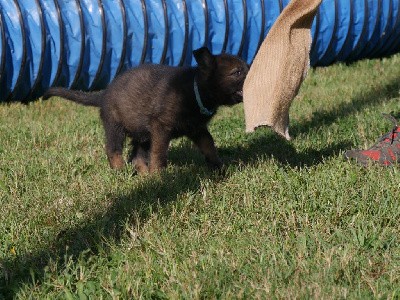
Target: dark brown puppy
{"points": [[153, 104]]}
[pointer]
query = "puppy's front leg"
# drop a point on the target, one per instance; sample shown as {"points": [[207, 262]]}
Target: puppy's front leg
{"points": [[205, 143]]}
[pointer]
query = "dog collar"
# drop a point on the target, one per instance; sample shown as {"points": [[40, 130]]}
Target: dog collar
{"points": [[203, 110]]}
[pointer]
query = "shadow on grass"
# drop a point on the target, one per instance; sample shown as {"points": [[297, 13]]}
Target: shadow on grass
{"points": [[138, 205], [282, 151], [165, 188], [134, 207], [371, 97]]}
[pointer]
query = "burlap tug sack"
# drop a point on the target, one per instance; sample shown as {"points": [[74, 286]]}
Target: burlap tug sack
{"points": [[279, 68]]}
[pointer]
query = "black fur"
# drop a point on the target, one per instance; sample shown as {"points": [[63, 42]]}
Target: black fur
{"points": [[153, 104]]}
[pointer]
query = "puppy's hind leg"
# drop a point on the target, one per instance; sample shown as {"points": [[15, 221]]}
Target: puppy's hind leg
{"points": [[160, 139], [115, 137], [139, 156]]}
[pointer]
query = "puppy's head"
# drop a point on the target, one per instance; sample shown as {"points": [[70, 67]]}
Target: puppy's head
{"points": [[221, 75]]}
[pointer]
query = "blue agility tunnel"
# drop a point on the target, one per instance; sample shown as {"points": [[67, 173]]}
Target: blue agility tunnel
{"points": [[84, 44]]}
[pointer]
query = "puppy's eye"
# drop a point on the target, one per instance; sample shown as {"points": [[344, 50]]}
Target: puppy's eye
{"points": [[237, 73]]}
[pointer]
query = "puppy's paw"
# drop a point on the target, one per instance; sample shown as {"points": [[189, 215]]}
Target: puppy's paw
{"points": [[216, 164], [116, 162], [140, 166], [219, 170]]}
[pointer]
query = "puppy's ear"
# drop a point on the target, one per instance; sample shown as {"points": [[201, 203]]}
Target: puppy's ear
{"points": [[204, 58]]}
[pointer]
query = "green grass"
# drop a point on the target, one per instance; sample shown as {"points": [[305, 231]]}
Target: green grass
{"points": [[287, 220]]}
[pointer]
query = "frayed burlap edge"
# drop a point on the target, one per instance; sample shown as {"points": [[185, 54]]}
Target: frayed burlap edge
{"points": [[279, 68]]}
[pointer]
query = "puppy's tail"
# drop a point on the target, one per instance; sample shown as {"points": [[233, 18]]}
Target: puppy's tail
{"points": [[84, 98]]}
